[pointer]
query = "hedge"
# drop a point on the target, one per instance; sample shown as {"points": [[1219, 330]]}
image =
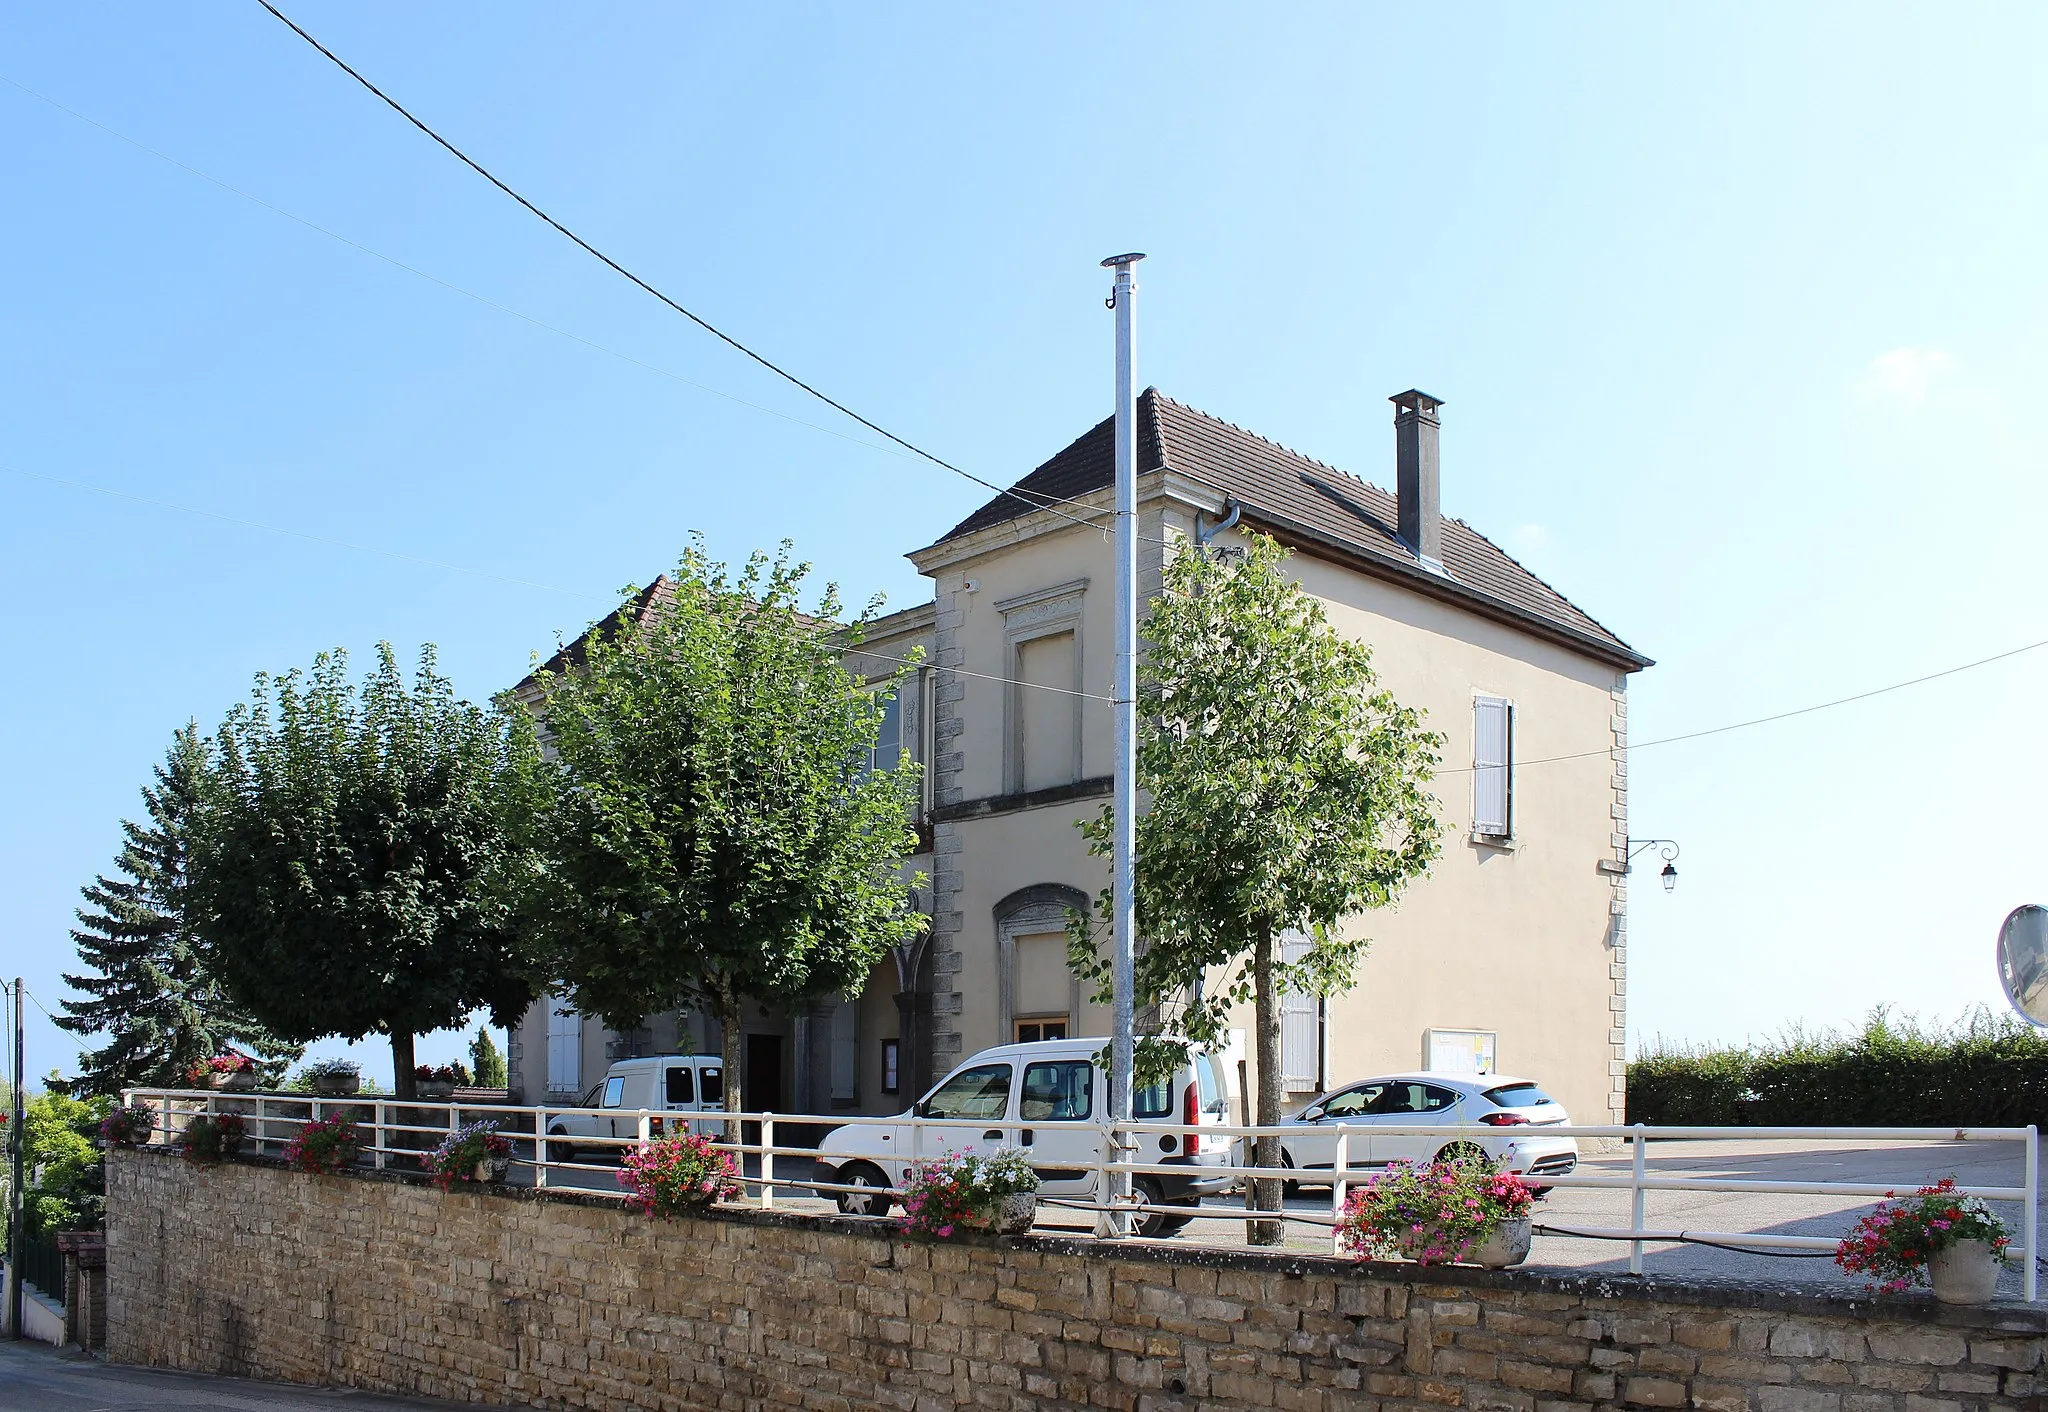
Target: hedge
{"points": [[1985, 1071]]}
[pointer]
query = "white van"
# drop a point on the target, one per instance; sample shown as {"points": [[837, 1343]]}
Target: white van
{"points": [[1055, 1080], [673, 1083]]}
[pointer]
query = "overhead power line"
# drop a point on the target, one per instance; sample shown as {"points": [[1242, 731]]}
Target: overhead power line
{"points": [[1046, 504]]}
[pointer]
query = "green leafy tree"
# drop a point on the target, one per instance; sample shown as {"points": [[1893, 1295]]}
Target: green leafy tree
{"points": [[1288, 792], [149, 990], [359, 858], [485, 1060], [66, 1187], [716, 834]]}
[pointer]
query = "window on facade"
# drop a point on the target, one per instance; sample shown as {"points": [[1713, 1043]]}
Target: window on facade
{"points": [[1493, 767], [1057, 1092], [565, 1048], [892, 1081], [1032, 1031], [1047, 741], [1301, 1043], [889, 739]]}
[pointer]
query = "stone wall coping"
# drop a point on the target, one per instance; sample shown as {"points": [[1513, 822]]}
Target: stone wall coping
{"points": [[1432, 1281]]}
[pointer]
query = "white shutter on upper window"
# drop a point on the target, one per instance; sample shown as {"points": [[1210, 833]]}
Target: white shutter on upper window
{"points": [[1299, 1042], [1493, 767]]}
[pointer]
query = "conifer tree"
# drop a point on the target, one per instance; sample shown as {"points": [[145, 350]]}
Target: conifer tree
{"points": [[485, 1060], [150, 992]]}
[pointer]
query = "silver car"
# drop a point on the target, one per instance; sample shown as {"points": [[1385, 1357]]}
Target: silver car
{"points": [[1498, 1116]]}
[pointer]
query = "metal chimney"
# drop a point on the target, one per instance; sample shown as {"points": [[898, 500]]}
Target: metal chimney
{"points": [[1419, 478]]}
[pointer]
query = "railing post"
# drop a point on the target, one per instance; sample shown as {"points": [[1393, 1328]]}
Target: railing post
{"points": [[1636, 1195], [261, 1132], [378, 1136], [540, 1147], [2030, 1219], [1337, 1189], [767, 1161]]}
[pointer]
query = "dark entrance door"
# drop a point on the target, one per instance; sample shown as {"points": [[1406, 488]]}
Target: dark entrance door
{"points": [[761, 1081], [762, 1078]]}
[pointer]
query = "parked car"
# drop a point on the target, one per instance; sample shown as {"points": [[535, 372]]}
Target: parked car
{"points": [[674, 1083], [1014, 1086], [1503, 1119]]}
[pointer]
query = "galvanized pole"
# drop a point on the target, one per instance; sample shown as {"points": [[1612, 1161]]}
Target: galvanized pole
{"points": [[20, 1139], [1124, 871]]}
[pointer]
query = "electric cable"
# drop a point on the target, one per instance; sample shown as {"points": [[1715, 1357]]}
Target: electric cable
{"points": [[1046, 504], [396, 263]]}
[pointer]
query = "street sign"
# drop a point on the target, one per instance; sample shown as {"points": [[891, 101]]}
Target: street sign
{"points": [[2023, 961]]}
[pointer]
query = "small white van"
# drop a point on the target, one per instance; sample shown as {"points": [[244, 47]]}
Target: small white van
{"points": [[673, 1083], [1014, 1086]]}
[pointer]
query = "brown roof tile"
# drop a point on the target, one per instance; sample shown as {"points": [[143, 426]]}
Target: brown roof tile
{"points": [[1311, 506]]}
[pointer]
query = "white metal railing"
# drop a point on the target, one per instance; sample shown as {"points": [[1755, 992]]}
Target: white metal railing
{"points": [[406, 1130]]}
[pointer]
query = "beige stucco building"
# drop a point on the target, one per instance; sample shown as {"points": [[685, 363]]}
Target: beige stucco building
{"points": [[1511, 953]]}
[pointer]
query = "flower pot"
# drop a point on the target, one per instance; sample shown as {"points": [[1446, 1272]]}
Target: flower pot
{"points": [[1964, 1273], [1506, 1244], [491, 1169], [207, 1080], [337, 1085], [433, 1090], [240, 1081], [1009, 1215]]}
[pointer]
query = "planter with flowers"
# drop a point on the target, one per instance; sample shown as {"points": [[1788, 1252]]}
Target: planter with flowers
{"points": [[229, 1071], [334, 1078], [1934, 1237], [210, 1137], [1461, 1211], [132, 1126], [436, 1083], [994, 1191], [474, 1152], [325, 1145], [679, 1174]]}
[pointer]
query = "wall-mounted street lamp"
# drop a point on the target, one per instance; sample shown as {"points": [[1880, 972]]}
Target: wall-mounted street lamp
{"points": [[1667, 849]]}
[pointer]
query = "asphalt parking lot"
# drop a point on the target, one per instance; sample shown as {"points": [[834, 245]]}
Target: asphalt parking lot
{"points": [[1902, 1165]]}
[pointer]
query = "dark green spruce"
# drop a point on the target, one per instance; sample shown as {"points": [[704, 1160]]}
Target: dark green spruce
{"points": [[148, 991]]}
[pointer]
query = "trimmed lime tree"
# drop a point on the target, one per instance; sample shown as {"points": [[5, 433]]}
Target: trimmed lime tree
{"points": [[715, 831], [1288, 793], [148, 990], [360, 854]]}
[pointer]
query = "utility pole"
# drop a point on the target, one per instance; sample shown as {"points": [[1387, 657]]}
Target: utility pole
{"points": [[1124, 861], [20, 1139]]}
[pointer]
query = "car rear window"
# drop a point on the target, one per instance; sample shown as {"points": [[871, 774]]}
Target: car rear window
{"points": [[1153, 1101], [1517, 1096], [711, 1085], [680, 1087]]}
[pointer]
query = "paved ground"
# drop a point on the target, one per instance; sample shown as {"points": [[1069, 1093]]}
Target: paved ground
{"points": [[1904, 1165], [37, 1378]]}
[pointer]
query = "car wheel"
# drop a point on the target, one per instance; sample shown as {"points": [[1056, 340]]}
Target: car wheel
{"points": [[1290, 1188], [873, 1198], [561, 1152], [1152, 1224], [1463, 1152]]}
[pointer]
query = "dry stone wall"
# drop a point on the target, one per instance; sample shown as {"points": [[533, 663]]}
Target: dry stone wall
{"points": [[500, 1296]]}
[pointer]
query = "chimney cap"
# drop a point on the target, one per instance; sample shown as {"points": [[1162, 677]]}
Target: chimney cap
{"points": [[1416, 400]]}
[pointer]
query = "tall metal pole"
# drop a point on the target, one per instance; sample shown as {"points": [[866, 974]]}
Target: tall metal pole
{"points": [[20, 1139], [1124, 870]]}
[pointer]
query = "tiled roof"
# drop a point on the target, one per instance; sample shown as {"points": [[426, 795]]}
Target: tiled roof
{"points": [[1313, 507]]}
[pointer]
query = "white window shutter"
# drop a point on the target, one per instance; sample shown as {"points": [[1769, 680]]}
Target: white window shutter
{"points": [[565, 1047], [1298, 1039], [846, 1052], [1492, 789]]}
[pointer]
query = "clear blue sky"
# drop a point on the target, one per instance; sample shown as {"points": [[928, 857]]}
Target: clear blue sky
{"points": [[1739, 315]]}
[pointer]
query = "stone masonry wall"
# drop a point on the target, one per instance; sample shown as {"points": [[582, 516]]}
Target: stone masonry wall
{"points": [[381, 1282]]}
